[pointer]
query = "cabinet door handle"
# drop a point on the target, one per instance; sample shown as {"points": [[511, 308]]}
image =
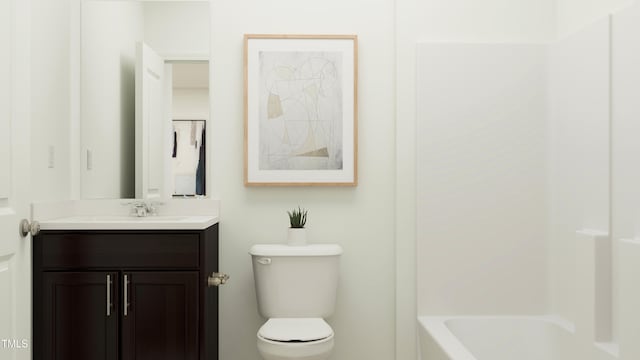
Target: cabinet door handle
{"points": [[109, 295], [126, 295]]}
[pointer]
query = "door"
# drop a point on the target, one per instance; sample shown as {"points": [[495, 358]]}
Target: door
{"points": [[161, 318], [15, 169], [150, 123], [80, 316]]}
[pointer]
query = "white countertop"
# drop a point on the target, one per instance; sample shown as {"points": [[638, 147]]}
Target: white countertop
{"points": [[115, 214], [151, 222]]}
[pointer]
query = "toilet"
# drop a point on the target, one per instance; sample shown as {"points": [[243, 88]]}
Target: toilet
{"points": [[296, 289]]}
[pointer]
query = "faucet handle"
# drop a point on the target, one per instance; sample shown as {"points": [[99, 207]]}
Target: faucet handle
{"points": [[139, 209], [152, 207]]}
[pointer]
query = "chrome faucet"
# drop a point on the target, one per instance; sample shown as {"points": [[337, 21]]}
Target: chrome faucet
{"points": [[140, 209], [143, 208]]}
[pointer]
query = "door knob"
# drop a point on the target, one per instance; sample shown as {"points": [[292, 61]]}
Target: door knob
{"points": [[217, 279], [26, 228]]}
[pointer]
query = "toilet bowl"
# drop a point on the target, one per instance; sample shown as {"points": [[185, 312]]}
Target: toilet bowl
{"points": [[295, 338]]}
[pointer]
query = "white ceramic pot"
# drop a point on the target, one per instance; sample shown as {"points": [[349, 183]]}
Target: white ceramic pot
{"points": [[297, 237]]}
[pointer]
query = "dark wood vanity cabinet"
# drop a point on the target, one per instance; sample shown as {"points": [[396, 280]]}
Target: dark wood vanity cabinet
{"points": [[125, 295]]}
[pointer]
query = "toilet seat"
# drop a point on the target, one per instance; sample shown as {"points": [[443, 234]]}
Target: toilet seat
{"points": [[295, 330]]}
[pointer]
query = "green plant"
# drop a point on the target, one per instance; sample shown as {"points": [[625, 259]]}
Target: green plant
{"points": [[298, 217]]}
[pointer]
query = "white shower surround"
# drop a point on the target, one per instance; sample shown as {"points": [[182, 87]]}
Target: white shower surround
{"points": [[550, 337], [584, 132], [481, 175], [484, 338], [503, 338]]}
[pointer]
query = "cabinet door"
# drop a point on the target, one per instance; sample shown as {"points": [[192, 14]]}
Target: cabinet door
{"points": [[80, 320], [160, 315]]}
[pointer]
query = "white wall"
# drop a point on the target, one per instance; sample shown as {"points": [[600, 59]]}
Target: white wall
{"points": [[108, 97], [177, 27], [625, 172], [361, 218], [474, 21], [574, 15], [578, 152], [481, 179], [190, 104], [50, 104]]}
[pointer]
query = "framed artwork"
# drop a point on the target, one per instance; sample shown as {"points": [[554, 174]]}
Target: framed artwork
{"points": [[301, 110]]}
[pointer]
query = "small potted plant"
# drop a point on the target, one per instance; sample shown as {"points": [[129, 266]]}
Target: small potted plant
{"points": [[297, 232]]}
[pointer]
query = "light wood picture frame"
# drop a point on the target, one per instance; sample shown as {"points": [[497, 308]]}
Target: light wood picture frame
{"points": [[301, 110]]}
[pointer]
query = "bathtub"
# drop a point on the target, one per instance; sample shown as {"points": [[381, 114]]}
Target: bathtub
{"points": [[496, 338]]}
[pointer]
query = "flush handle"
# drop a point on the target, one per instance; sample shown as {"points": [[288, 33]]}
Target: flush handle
{"points": [[264, 261]]}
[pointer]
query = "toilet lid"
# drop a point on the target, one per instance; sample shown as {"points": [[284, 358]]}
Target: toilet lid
{"points": [[295, 329]]}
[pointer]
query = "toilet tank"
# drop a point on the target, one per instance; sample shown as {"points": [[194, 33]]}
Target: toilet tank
{"points": [[296, 281]]}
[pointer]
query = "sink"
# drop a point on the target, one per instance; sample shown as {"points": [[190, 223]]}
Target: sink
{"points": [[124, 222]]}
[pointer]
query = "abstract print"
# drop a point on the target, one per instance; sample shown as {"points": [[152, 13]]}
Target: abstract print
{"points": [[300, 110]]}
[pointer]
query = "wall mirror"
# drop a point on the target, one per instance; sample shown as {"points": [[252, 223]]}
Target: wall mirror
{"points": [[144, 95]]}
